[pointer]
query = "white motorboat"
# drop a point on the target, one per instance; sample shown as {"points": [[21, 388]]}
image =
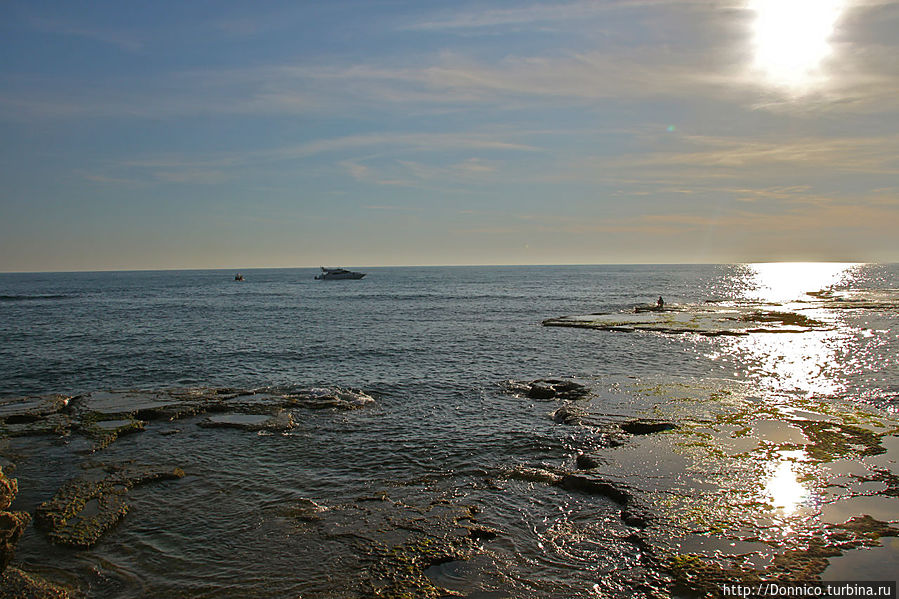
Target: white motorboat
{"points": [[332, 274]]}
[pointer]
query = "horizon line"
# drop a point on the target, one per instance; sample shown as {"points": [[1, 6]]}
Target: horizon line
{"points": [[509, 265]]}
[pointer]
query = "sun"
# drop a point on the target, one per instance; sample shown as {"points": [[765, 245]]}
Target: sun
{"points": [[792, 39]]}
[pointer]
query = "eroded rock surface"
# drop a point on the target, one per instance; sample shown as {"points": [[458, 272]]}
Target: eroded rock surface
{"points": [[12, 524], [105, 416], [85, 508]]}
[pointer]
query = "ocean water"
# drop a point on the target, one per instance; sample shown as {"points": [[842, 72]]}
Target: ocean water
{"points": [[435, 348]]}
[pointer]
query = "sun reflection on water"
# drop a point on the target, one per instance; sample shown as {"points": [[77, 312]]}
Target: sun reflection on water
{"points": [[779, 282], [795, 362], [805, 362], [783, 488]]}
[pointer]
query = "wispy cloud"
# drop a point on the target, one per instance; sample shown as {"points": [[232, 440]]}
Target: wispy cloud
{"points": [[124, 40], [473, 18], [862, 155]]}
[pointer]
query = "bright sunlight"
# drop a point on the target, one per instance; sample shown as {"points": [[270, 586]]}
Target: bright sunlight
{"points": [[792, 39]]}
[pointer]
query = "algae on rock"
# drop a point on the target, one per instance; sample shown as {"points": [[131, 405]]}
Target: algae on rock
{"points": [[82, 510]]}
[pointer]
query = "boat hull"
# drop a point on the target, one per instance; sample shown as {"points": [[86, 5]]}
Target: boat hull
{"points": [[337, 274]]}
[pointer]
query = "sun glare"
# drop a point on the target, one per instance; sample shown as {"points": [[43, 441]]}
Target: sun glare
{"points": [[783, 486], [779, 282], [792, 39]]}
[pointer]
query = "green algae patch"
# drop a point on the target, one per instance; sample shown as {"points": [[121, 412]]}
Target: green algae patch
{"points": [[397, 544], [84, 509], [803, 558], [829, 440], [400, 571]]}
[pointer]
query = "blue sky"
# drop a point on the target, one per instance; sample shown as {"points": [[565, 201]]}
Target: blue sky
{"points": [[276, 134]]}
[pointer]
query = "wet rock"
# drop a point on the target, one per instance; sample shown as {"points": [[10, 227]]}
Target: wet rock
{"points": [[592, 485], [279, 422], [636, 517], [106, 416], [569, 414], [16, 584], [587, 462], [324, 398], [611, 439], [9, 487], [480, 534], [305, 510], [105, 429], [534, 475], [84, 509], [35, 415], [868, 299], [555, 389], [12, 524], [642, 426], [890, 481], [24, 410], [396, 542]]}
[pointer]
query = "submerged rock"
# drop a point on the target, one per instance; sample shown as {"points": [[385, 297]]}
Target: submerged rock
{"points": [[830, 440], [642, 426], [805, 561], [84, 509], [279, 422], [535, 475], [105, 429], [592, 485], [587, 462], [305, 510], [324, 398], [569, 414]]}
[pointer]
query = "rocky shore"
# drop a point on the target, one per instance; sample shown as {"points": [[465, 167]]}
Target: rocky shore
{"points": [[710, 484], [721, 486]]}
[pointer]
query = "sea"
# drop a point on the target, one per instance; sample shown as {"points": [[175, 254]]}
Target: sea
{"points": [[442, 358]]}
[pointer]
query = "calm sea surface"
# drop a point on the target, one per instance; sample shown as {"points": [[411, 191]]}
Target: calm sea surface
{"points": [[434, 347]]}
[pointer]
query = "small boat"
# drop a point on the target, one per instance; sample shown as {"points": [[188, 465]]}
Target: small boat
{"points": [[238, 277], [333, 274]]}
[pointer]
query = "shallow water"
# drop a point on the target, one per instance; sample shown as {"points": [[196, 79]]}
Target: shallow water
{"points": [[434, 348]]}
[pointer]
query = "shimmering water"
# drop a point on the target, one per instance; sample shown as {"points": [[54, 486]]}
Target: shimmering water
{"points": [[434, 347]]}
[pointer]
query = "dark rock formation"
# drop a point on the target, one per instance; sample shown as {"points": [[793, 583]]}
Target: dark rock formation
{"points": [[569, 414], [642, 426], [587, 462], [556, 389], [592, 485]]}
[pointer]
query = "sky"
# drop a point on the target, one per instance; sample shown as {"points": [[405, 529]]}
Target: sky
{"points": [[144, 135]]}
